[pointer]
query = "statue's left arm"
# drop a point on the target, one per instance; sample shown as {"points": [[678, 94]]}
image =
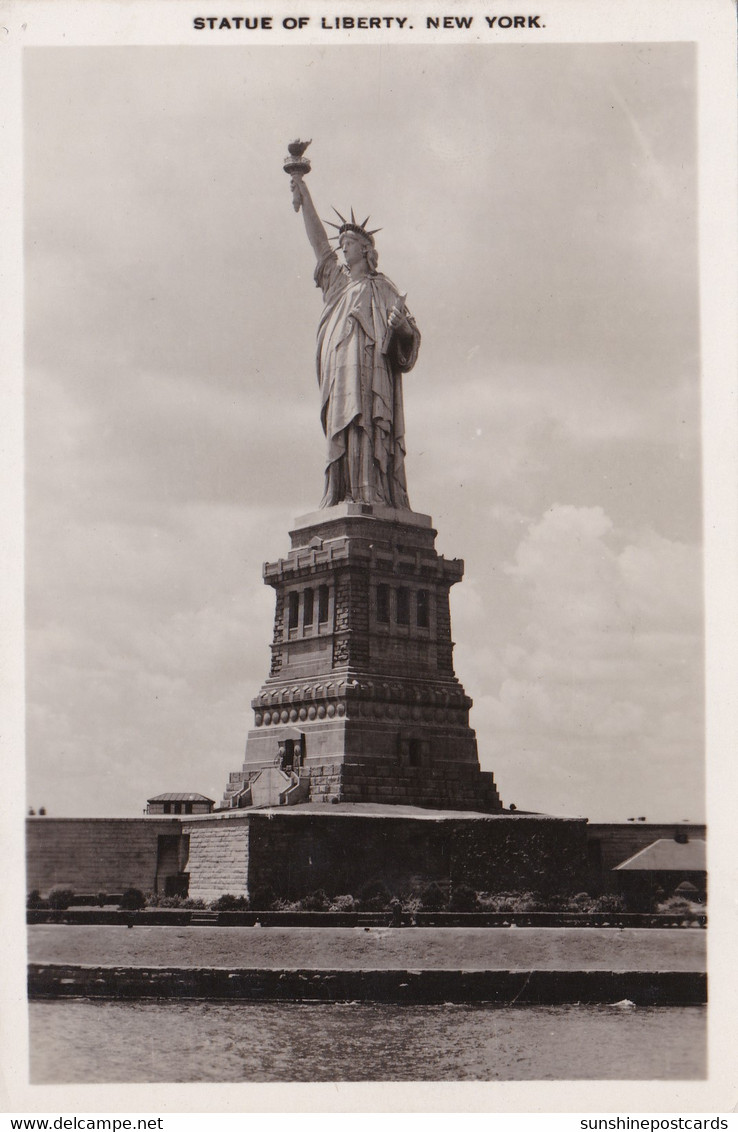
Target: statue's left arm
{"points": [[403, 337]]}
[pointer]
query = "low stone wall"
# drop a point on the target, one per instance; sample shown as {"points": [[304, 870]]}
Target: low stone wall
{"points": [[541, 987], [184, 917], [296, 851], [96, 854]]}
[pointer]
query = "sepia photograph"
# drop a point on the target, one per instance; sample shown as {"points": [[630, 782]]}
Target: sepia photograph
{"points": [[366, 469]]}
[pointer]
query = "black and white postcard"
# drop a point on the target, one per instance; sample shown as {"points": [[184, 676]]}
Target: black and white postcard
{"points": [[521, 227]]}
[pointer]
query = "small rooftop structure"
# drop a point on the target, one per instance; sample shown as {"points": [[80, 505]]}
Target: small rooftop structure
{"points": [[669, 855], [180, 803]]}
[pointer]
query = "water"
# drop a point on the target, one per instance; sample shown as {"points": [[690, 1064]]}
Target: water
{"points": [[93, 1041]]}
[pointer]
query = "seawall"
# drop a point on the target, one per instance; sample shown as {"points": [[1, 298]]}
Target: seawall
{"points": [[535, 987]]}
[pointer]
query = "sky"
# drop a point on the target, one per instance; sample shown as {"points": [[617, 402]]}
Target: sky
{"points": [[538, 205]]}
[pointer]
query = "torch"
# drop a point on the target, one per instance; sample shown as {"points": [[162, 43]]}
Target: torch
{"points": [[297, 165]]}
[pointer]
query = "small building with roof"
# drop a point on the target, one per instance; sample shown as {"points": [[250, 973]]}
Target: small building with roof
{"points": [[663, 866], [179, 803]]}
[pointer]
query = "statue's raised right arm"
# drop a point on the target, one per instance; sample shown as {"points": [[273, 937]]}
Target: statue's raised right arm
{"points": [[313, 224]]}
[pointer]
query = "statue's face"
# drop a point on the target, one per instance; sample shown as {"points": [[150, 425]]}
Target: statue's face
{"points": [[352, 247]]}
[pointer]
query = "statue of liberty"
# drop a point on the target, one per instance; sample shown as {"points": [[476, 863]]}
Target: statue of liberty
{"points": [[366, 341]]}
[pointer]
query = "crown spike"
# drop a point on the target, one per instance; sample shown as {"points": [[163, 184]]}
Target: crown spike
{"points": [[351, 226]]}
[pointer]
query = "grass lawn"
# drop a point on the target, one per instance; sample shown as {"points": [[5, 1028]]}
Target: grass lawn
{"points": [[473, 949]]}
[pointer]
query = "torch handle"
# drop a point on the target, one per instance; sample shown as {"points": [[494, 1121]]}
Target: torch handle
{"points": [[296, 194]]}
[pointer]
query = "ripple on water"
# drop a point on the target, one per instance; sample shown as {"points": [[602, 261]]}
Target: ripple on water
{"points": [[102, 1042]]}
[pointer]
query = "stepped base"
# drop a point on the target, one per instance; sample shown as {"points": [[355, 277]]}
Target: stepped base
{"points": [[448, 788]]}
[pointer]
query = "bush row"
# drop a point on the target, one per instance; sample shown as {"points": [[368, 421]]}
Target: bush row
{"points": [[373, 897]]}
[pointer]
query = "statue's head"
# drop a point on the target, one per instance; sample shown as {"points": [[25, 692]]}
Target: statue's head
{"points": [[365, 236], [365, 242]]}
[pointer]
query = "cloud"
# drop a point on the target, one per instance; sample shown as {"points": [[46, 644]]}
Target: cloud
{"points": [[602, 668]]}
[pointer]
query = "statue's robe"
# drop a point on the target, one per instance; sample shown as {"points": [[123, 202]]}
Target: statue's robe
{"points": [[360, 367]]}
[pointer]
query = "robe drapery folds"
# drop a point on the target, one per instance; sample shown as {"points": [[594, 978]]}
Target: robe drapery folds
{"points": [[360, 368]]}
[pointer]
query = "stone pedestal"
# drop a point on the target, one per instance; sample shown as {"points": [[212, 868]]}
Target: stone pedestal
{"points": [[361, 703]]}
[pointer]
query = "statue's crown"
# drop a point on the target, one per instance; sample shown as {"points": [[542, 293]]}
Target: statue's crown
{"points": [[352, 226]]}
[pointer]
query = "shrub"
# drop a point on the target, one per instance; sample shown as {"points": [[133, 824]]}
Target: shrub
{"points": [[463, 899], [433, 898], [197, 905], [564, 902], [155, 900], [343, 904], [36, 900], [675, 906], [282, 904], [608, 902], [582, 902], [132, 900], [230, 903], [509, 901], [526, 902], [318, 901], [374, 897], [60, 898]]}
